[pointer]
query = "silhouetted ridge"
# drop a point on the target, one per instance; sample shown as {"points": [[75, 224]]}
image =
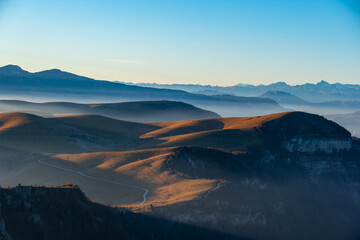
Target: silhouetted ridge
{"points": [[12, 69], [57, 84], [154, 110], [139, 111], [58, 74]]}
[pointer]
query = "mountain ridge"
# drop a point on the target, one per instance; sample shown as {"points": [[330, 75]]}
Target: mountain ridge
{"points": [[63, 86], [90, 132], [284, 97], [319, 92]]}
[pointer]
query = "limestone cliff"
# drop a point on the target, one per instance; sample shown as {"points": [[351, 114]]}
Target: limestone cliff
{"points": [[317, 144]]}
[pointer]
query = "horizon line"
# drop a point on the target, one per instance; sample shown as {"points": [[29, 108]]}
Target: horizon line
{"points": [[171, 84]]}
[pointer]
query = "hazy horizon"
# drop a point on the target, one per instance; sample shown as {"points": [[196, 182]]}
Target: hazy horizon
{"points": [[178, 83]]}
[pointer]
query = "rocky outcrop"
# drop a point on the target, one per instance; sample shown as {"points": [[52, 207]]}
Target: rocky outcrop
{"points": [[314, 144], [305, 132]]}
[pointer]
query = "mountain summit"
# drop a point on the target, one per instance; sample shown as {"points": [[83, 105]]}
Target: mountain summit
{"points": [[12, 69], [284, 98]]}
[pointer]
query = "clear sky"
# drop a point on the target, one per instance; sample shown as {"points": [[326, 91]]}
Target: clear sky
{"points": [[217, 42]]}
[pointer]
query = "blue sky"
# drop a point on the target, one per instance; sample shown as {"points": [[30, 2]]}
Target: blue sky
{"points": [[223, 42]]}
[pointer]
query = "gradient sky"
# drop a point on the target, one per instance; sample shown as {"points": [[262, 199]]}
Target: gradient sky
{"points": [[223, 42]]}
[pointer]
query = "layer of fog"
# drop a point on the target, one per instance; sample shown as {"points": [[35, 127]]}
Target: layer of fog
{"points": [[351, 124]]}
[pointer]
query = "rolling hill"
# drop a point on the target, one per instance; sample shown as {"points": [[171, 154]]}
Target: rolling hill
{"points": [[141, 111], [73, 134], [261, 177], [93, 133], [250, 133]]}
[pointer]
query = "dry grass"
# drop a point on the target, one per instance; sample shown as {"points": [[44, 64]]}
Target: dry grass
{"points": [[145, 166]]}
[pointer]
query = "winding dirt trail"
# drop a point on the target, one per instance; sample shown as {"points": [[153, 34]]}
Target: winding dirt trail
{"points": [[98, 179], [102, 180]]}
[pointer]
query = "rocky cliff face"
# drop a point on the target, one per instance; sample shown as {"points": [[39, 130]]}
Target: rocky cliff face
{"points": [[317, 144], [307, 133], [286, 196]]}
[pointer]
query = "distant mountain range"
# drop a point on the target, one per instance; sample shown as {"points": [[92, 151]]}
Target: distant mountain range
{"points": [[294, 102], [57, 85], [320, 92]]}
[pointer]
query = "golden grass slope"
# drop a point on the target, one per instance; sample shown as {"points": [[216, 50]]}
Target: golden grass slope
{"points": [[91, 133], [68, 134], [138, 154], [144, 168], [234, 134]]}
